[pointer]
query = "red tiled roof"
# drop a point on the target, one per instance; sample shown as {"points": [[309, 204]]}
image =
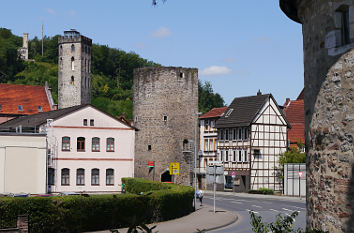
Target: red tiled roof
{"points": [[29, 97], [294, 112], [215, 112]]}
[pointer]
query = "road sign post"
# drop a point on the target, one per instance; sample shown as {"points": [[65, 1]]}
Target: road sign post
{"points": [[300, 175], [151, 165]]}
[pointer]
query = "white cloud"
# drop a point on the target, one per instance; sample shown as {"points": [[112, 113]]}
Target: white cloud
{"points": [[50, 11], [215, 70], [161, 32]]}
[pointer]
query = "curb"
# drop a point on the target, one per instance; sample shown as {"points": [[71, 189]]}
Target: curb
{"points": [[221, 226]]}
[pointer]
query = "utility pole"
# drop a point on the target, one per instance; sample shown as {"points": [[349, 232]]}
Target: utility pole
{"points": [[42, 39]]}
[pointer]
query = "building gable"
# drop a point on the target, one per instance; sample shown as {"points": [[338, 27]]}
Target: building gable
{"points": [[270, 114]]}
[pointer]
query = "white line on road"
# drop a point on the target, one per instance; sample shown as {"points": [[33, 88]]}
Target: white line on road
{"points": [[287, 209], [252, 211], [274, 210], [257, 206], [236, 202], [302, 208]]}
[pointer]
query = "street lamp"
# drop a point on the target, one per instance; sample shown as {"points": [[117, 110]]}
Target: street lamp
{"points": [[195, 156]]}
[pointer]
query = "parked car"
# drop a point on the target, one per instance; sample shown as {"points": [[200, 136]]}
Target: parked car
{"points": [[20, 195]]}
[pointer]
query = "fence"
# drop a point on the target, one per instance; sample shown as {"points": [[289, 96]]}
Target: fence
{"points": [[295, 179]]}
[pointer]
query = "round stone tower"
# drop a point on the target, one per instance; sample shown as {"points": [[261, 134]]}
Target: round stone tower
{"points": [[328, 45], [165, 113], [74, 69]]}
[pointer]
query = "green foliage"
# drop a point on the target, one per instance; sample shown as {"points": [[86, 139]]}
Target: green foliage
{"points": [[292, 155], [283, 224], [10, 65], [207, 98], [99, 212], [265, 191], [139, 185]]}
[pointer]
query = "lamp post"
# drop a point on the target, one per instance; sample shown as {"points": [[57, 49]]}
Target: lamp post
{"points": [[195, 156]]}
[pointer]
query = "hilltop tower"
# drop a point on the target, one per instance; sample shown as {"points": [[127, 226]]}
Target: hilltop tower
{"points": [[328, 32], [23, 51], [165, 113], [74, 69]]}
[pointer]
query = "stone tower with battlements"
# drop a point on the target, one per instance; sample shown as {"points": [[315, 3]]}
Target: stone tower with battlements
{"points": [[165, 113], [74, 69], [328, 45]]}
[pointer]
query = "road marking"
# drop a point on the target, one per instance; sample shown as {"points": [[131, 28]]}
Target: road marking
{"points": [[298, 207], [236, 202], [252, 211], [274, 210], [287, 209], [257, 206]]}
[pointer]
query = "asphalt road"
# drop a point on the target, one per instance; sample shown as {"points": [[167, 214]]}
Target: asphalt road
{"points": [[265, 207]]}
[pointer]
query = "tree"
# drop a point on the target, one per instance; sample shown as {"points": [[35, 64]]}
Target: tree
{"points": [[207, 98]]}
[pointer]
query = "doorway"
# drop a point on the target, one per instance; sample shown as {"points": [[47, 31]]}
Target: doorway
{"points": [[166, 177]]}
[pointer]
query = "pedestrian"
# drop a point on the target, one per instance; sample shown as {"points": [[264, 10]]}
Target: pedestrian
{"points": [[200, 196]]}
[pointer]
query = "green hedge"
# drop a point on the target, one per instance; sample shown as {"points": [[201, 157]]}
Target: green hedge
{"points": [[265, 191], [99, 212]]}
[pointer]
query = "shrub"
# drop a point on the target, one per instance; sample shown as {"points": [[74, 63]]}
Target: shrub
{"points": [[100, 212], [265, 191]]}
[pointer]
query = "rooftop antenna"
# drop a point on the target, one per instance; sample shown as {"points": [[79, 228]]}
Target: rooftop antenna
{"points": [[42, 39]]}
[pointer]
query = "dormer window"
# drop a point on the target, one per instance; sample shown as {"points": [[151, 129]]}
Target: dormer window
{"points": [[19, 107], [40, 109]]}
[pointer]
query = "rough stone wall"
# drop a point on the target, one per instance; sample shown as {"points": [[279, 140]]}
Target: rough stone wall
{"points": [[70, 94], [159, 92], [329, 83]]}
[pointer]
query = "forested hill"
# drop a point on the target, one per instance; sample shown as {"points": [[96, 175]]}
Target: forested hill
{"points": [[112, 73]]}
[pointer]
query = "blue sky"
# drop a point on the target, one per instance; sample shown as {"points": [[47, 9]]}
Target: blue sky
{"points": [[239, 46]]}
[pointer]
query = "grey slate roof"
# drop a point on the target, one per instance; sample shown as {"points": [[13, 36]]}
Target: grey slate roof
{"points": [[244, 111], [36, 120]]}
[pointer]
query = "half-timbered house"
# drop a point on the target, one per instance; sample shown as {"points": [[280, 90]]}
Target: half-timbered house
{"points": [[252, 135]]}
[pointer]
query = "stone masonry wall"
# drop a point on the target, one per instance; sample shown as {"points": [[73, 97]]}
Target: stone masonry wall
{"points": [[329, 83], [159, 92], [70, 94]]}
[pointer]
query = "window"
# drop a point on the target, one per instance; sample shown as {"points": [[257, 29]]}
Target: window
{"points": [[110, 145], [92, 122], [245, 133], [50, 176], [239, 156], [85, 122], [149, 147], [226, 134], [95, 176], [110, 176], [226, 156], [164, 118], [19, 107], [80, 176], [65, 176], [211, 145], [245, 159], [221, 155], [181, 74], [95, 144], [72, 63], [228, 113], [239, 134], [343, 12], [206, 145], [40, 109], [80, 144], [221, 134], [61, 63], [206, 125], [72, 80], [65, 144], [234, 156], [72, 48], [89, 66], [212, 125], [257, 153], [61, 50], [234, 134]]}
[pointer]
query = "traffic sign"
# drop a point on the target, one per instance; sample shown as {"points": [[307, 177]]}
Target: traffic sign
{"points": [[174, 168], [300, 174], [151, 163]]}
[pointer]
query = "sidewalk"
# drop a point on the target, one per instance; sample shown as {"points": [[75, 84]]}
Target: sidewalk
{"points": [[203, 219], [257, 196]]}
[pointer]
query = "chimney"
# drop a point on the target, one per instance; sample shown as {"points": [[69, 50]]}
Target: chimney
{"points": [[287, 101], [259, 92]]}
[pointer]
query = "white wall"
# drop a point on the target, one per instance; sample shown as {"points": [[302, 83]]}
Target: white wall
{"points": [[22, 164], [121, 160]]}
